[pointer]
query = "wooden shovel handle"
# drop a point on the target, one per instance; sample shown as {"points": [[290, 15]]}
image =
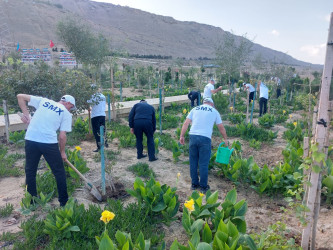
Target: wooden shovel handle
{"points": [[78, 172]]}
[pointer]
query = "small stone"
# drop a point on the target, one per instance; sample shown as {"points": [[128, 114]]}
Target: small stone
{"points": [[324, 210]]}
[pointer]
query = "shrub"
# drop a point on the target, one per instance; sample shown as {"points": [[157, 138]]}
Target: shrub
{"points": [[6, 210], [266, 121], [141, 170]]}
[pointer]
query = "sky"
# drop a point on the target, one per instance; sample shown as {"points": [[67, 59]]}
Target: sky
{"points": [[296, 27]]}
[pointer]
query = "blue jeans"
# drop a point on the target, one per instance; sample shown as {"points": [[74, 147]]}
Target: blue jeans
{"points": [[200, 150]]}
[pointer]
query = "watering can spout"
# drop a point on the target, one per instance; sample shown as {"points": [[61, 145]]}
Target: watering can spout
{"points": [[223, 154]]}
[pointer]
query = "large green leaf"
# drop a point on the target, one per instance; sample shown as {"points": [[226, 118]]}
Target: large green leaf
{"points": [[197, 225], [203, 246], [213, 198], [204, 213], [159, 207], [231, 196], [207, 234]]}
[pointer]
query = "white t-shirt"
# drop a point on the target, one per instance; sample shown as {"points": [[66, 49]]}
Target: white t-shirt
{"points": [[263, 90], [203, 118], [251, 88], [208, 90], [48, 118], [97, 109]]}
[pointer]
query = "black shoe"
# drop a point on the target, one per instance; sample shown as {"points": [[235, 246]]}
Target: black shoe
{"points": [[96, 150], [154, 159], [141, 156], [106, 145], [194, 186], [204, 189]]}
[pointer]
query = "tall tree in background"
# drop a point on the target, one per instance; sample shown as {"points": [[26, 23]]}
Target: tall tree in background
{"points": [[231, 53], [86, 46]]}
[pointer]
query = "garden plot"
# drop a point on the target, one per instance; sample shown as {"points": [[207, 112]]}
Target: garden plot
{"points": [[263, 209]]}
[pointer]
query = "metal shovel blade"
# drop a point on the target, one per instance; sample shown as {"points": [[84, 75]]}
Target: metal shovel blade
{"points": [[93, 190]]}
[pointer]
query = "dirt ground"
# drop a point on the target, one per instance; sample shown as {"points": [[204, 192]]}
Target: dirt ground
{"points": [[262, 210]]}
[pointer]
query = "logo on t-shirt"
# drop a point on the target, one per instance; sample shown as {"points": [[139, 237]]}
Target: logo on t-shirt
{"points": [[204, 108], [53, 108]]}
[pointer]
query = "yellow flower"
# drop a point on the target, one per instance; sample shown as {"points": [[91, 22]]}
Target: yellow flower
{"points": [[201, 194], [189, 205], [178, 175], [184, 111], [284, 111], [295, 124], [78, 148], [231, 108], [290, 116], [107, 216]]}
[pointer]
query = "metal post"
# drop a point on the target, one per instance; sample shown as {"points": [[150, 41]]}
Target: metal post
{"points": [[254, 97], [199, 97], [121, 91], [109, 108], [102, 158], [181, 86], [160, 111], [5, 111]]}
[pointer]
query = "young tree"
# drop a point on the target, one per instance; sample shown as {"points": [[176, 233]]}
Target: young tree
{"points": [[231, 53], [87, 48]]}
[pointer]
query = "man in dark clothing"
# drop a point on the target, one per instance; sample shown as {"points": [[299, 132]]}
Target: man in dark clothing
{"points": [[194, 95], [141, 120]]}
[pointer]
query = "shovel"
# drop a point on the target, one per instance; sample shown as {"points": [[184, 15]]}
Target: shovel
{"points": [[93, 190]]}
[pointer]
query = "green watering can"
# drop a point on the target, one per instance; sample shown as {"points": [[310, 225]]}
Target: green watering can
{"points": [[223, 154]]}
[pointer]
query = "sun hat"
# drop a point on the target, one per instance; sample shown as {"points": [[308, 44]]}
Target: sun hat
{"points": [[70, 99], [208, 99], [244, 83], [212, 80]]}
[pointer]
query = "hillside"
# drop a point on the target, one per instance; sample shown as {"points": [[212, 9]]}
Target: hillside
{"points": [[33, 23]]}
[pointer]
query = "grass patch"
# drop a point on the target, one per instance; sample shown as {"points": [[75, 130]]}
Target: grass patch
{"points": [[6, 210], [7, 163], [131, 219], [141, 170]]}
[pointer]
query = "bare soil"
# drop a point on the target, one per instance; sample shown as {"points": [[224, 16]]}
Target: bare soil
{"points": [[262, 209]]}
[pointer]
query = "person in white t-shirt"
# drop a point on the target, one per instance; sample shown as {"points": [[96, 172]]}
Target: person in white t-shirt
{"points": [[98, 103], [209, 89], [203, 119], [263, 98], [41, 138], [251, 89]]}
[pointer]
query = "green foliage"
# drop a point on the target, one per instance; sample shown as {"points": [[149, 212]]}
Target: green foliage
{"points": [[130, 218], [176, 151], [250, 131], [168, 121], [236, 118], [17, 137], [301, 101], [266, 121], [294, 132], [79, 39], [158, 199], [221, 102], [141, 170], [228, 223], [60, 224], [255, 144], [6, 210], [275, 237], [42, 80], [7, 163], [78, 162]]}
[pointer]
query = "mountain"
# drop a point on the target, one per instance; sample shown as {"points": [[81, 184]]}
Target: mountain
{"points": [[33, 23]]}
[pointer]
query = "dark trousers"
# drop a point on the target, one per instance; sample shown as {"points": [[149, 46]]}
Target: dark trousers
{"points": [[51, 153], [144, 126], [262, 106], [278, 93], [193, 99], [96, 123], [251, 96]]}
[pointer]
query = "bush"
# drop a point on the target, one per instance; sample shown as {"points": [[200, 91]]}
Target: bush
{"points": [[141, 170], [266, 121]]}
